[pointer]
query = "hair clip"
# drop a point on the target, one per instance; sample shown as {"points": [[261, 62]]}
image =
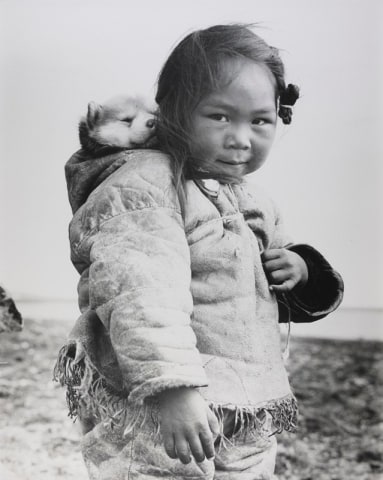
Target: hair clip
{"points": [[286, 106]]}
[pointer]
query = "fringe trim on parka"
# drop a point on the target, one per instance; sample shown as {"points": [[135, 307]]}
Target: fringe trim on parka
{"points": [[89, 394]]}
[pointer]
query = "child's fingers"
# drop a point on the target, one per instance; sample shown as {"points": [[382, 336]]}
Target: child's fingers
{"points": [[272, 265], [196, 448], [207, 442], [285, 286], [213, 423], [169, 445], [272, 254], [278, 277], [182, 449]]}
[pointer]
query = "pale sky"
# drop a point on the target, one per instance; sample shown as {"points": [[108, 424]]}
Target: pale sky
{"points": [[325, 170]]}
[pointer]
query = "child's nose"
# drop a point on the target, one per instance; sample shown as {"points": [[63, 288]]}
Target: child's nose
{"points": [[151, 123], [239, 138]]}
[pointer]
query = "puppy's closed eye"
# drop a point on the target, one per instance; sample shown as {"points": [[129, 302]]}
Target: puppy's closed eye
{"points": [[128, 120]]}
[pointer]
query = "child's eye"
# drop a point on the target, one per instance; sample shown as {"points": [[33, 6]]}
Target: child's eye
{"points": [[258, 121], [127, 120], [219, 117]]}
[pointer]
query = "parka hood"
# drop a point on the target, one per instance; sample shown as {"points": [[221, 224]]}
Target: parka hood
{"points": [[84, 173]]}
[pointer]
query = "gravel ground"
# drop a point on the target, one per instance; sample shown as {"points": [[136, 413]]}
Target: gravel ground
{"points": [[339, 386]]}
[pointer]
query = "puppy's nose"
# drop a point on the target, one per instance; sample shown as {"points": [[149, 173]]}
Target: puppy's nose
{"points": [[150, 123]]}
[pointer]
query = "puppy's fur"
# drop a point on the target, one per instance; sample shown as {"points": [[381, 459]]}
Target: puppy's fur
{"points": [[123, 122]]}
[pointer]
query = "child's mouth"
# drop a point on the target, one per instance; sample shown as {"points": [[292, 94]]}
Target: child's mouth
{"points": [[233, 163]]}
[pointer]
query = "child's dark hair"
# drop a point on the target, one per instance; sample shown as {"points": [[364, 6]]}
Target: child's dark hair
{"points": [[195, 69]]}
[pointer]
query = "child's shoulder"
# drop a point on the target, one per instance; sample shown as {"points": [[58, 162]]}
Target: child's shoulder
{"points": [[143, 180], [143, 168], [145, 174]]}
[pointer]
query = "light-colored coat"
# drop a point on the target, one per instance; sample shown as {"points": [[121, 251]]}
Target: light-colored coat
{"points": [[185, 301]]}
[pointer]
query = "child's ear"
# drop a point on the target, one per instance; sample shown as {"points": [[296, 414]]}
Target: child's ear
{"points": [[94, 113]]}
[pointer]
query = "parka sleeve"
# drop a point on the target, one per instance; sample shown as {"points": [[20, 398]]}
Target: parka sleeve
{"points": [[139, 285], [323, 292]]}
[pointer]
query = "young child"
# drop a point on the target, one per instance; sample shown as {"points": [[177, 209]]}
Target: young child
{"points": [[175, 366]]}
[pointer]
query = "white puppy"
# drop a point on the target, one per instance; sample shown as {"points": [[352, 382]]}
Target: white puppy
{"points": [[123, 122]]}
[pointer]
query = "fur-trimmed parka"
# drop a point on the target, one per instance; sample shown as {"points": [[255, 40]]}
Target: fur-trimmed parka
{"points": [[172, 300]]}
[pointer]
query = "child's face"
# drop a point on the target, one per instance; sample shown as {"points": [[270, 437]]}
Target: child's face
{"points": [[233, 128]]}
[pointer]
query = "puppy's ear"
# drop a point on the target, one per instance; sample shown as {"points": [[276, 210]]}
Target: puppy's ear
{"points": [[94, 113]]}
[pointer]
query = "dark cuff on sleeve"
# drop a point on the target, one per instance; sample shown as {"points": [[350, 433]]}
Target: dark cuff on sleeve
{"points": [[323, 291]]}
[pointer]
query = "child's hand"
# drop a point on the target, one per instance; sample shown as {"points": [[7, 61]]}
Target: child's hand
{"points": [[188, 426], [285, 269]]}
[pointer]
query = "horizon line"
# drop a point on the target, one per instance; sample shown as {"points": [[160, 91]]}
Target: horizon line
{"points": [[36, 299]]}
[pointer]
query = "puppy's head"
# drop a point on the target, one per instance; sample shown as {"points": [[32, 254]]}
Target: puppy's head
{"points": [[124, 122]]}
